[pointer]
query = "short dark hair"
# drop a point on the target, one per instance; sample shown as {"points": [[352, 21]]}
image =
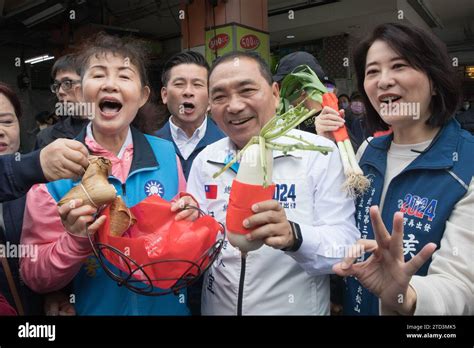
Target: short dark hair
{"points": [[263, 66], [8, 92], [424, 52], [67, 62], [188, 57], [43, 116], [356, 95], [127, 47]]}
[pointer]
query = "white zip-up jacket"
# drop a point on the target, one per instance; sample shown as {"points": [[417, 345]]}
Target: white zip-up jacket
{"points": [[271, 281]]}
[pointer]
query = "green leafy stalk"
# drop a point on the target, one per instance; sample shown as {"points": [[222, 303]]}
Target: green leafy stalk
{"points": [[289, 120], [301, 82], [285, 148], [263, 159], [237, 158], [300, 139], [290, 125], [356, 183]]}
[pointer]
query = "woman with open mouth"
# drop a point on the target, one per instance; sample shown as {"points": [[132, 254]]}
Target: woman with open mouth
{"points": [[419, 205], [114, 80]]}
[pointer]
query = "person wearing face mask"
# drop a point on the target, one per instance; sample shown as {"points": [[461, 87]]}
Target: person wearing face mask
{"points": [[287, 64], [291, 61], [357, 105], [465, 116], [354, 116], [293, 262], [343, 101]]}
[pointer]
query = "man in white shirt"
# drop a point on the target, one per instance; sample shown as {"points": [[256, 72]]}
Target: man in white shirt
{"points": [[185, 94], [304, 229]]}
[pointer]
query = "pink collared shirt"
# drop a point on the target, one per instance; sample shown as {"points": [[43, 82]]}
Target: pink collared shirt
{"points": [[59, 253]]}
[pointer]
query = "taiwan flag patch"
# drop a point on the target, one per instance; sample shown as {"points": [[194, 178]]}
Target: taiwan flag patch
{"points": [[211, 191]]}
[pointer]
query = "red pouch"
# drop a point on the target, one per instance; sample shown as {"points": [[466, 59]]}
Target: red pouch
{"points": [[242, 197], [5, 308], [165, 249]]}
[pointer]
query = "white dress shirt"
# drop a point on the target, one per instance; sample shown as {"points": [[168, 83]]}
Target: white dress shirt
{"points": [[277, 282], [185, 144]]}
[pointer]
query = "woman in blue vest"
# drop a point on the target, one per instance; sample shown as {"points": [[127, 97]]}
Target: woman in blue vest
{"points": [[114, 81], [421, 181]]}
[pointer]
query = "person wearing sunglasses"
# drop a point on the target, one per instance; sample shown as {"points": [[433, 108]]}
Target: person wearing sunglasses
{"points": [[65, 74]]}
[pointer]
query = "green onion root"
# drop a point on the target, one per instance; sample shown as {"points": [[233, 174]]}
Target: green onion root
{"points": [[356, 183]]}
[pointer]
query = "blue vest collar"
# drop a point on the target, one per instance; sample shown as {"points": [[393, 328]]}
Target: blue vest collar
{"points": [[439, 154], [143, 156], [165, 132]]}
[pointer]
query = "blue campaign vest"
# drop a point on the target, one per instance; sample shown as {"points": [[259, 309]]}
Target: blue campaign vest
{"points": [[426, 191], [153, 170]]}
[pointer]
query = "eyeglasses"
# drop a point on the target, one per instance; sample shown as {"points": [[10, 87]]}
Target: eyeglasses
{"points": [[66, 85]]}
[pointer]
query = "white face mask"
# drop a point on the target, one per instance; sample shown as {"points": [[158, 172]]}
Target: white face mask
{"points": [[466, 106]]}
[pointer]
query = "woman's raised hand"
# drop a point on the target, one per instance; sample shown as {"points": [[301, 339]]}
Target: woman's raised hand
{"points": [[385, 273]]}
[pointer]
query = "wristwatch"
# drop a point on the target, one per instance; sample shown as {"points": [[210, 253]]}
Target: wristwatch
{"points": [[297, 237]]}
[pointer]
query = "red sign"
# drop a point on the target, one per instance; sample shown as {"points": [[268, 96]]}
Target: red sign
{"points": [[219, 41], [249, 42]]}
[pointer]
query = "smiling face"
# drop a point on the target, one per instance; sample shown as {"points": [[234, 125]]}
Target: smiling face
{"points": [[241, 100], [391, 80], [9, 127], [186, 95], [113, 85]]}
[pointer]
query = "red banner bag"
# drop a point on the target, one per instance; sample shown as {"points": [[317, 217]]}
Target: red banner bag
{"points": [[157, 251]]}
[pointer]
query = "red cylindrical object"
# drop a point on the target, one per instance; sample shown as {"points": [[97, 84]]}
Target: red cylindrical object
{"points": [[330, 99], [242, 197]]}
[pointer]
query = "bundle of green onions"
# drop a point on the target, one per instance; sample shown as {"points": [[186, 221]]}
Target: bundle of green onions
{"points": [[303, 79], [356, 183], [277, 127], [252, 183]]}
